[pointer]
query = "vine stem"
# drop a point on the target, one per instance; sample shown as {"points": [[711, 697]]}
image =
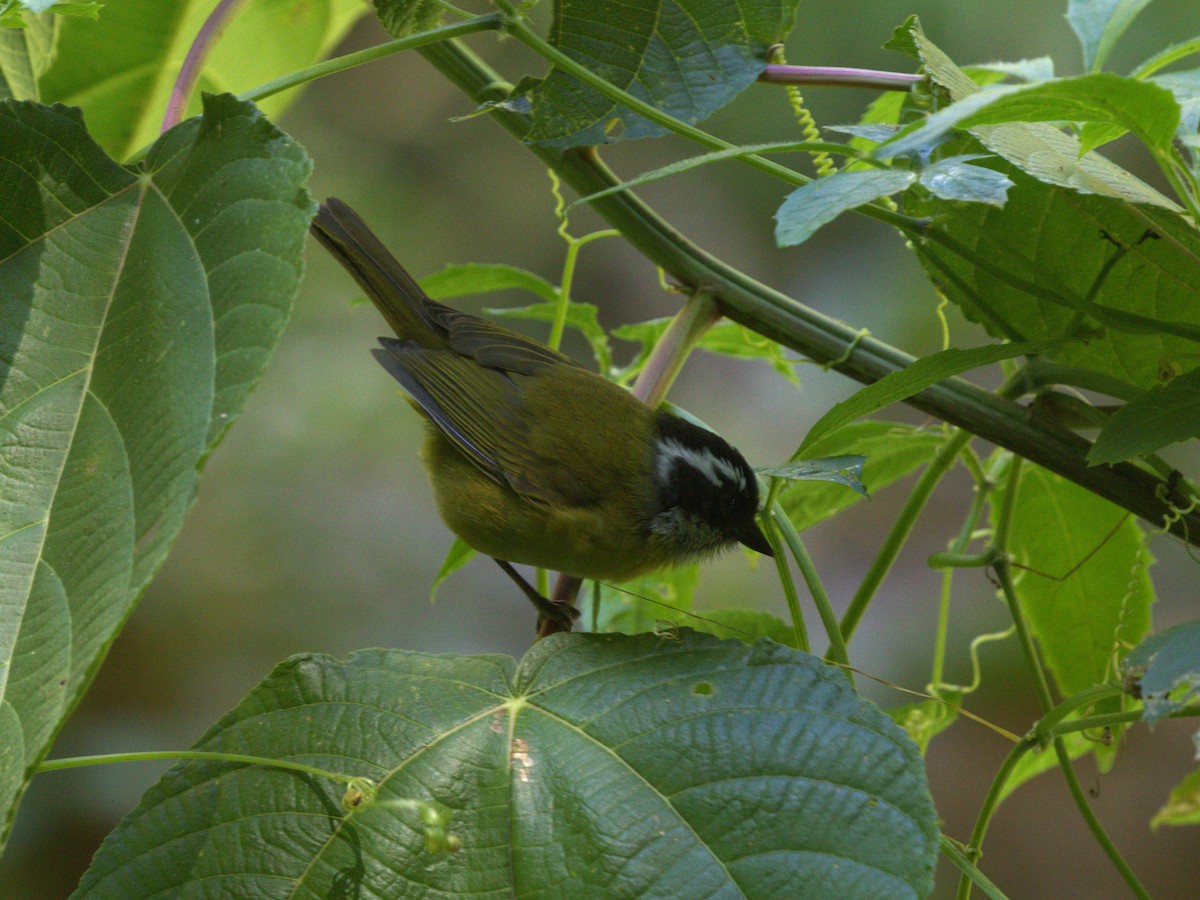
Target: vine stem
{"points": [[838, 76], [666, 360], [1002, 568], [490, 22], [77, 762], [193, 64], [901, 529], [961, 542], [837, 645]]}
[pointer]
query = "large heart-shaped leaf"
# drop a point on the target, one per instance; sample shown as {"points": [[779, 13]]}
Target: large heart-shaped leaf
{"points": [[137, 309], [686, 57], [600, 765]]}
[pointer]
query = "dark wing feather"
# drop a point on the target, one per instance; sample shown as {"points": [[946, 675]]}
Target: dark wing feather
{"points": [[478, 409], [494, 346]]}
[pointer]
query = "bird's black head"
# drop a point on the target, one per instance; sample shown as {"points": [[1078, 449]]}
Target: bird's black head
{"points": [[706, 495]]}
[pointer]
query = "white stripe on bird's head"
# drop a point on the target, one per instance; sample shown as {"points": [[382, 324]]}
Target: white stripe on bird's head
{"points": [[716, 469]]}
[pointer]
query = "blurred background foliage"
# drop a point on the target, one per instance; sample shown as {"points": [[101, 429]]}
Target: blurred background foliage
{"points": [[315, 529]]}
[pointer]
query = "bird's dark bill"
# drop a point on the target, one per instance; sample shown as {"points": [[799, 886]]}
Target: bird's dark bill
{"points": [[752, 537]]}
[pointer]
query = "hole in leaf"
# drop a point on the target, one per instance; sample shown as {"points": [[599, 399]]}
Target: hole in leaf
{"points": [[702, 689]]}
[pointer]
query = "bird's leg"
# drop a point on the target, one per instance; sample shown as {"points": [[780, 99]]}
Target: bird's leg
{"points": [[552, 617]]}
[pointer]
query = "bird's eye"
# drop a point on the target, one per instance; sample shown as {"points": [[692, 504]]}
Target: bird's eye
{"points": [[726, 504]]}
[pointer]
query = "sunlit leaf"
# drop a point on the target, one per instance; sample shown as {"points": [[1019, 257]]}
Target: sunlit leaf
{"points": [[120, 68], [891, 450], [1044, 150], [954, 178], [1082, 576], [843, 470]]}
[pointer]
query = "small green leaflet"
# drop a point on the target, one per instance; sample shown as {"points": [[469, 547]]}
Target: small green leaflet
{"points": [[1161, 416], [1146, 109], [954, 178], [921, 374], [1164, 670], [484, 278], [1099, 24], [815, 204], [1183, 807], [845, 470]]}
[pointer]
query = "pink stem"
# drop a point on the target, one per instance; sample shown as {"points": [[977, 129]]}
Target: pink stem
{"points": [[193, 64], [839, 77]]}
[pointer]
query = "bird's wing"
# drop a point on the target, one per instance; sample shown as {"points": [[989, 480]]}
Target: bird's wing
{"points": [[478, 409], [493, 345]]}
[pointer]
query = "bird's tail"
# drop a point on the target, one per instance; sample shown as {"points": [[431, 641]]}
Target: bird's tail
{"points": [[396, 293]]}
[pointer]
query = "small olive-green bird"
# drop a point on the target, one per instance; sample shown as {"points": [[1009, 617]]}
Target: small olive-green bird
{"points": [[533, 458]]}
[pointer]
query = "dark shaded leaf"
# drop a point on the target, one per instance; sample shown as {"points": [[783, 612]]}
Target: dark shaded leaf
{"points": [[686, 57], [139, 309], [601, 765], [1163, 415]]}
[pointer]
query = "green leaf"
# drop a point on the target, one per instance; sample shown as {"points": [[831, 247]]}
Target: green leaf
{"points": [[646, 603], [1164, 670], [400, 18], [120, 69], [1163, 415], [744, 624], [897, 386], [140, 309], [902, 38], [1146, 109], [457, 556], [1042, 149], [686, 57], [583, 317], [1099, 24], [954, 178], [600, 765], [821, 201], [1082, 576], [1185, 86], [1125, 278], [892, 451], [727, 338], [485, 278], [1166, 56], [843, 470], [1183, 807], [1040, 68], [25, 54]]}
